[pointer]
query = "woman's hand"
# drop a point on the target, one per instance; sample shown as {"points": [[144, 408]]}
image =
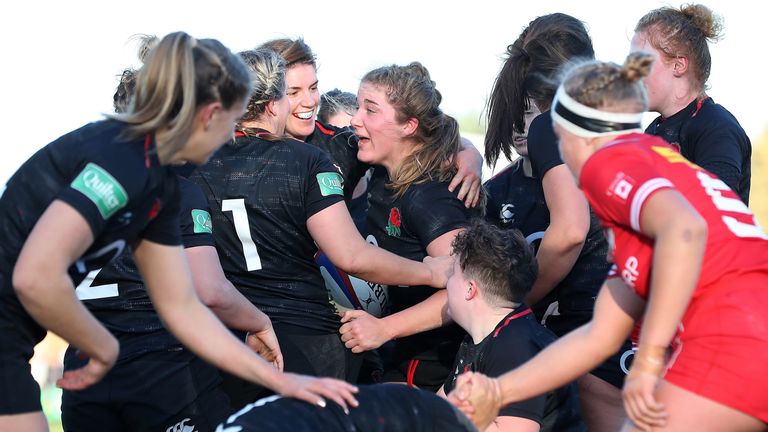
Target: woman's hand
{"points": [[469, 163], [317, 390], [361, 331], [639, 386], [441, 268], [93, 371], [264, 343], [478, 397]]}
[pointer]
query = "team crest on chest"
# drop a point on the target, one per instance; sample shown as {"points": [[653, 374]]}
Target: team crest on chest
{"points": [[507, 214], [393, 224]]}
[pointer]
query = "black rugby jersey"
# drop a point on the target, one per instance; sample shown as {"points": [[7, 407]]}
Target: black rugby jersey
{"points": [[261, 194], [516, 201], [118, 186], [405, 226], [578, 290], [118, 298], [711, 137], [383, 408], [515, 340], [341, 145]]}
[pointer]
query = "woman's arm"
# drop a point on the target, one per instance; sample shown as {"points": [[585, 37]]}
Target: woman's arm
{"points": [[42, 284], [229, 305], [563, 239], [616, 309], [335, 233], [362, 332], [680, 236], [169, 284]]}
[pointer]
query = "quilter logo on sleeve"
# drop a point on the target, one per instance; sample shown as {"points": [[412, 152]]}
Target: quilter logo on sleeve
{"points": [[621, 187], [331, 183], [101, 188]]}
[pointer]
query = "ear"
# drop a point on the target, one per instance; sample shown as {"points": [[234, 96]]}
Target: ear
{"points": [[270, 108], [679, 66], [410, 126], [206, 113], [473, 290]]}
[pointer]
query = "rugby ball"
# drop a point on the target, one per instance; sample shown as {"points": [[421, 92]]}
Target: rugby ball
{"points": [[348, 292]]}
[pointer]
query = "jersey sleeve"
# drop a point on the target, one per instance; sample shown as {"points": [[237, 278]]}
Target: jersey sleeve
{"points": [[542, 145], [430, 211], [101, 188], [341, 146], [509, 352], [325, 185], [618, 182], [195, 216], [164, 228]]}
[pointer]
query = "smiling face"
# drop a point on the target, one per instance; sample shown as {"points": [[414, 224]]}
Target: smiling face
{"points": [[375, 123], [301, 80]]}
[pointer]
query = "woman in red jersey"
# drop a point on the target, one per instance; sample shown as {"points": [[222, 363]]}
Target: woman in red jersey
{"points": [[691, 261]]}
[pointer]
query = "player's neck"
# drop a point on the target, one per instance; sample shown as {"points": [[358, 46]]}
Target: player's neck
{"points": [[485, 321]]}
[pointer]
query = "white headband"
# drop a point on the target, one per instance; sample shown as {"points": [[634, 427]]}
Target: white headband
{"points": [[588, 122]]}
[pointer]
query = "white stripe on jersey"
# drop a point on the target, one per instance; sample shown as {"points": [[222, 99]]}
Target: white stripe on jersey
{"points": [[643, 192]]}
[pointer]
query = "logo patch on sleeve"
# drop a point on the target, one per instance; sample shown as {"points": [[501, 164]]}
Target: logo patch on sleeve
{"points": [[621, 186], [330, 183], [202, 221], [100, 187]]}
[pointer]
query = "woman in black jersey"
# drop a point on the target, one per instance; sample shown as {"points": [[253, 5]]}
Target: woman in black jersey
{"points": [[79, 201], [412, 212], [341, 143], [274, 201], [705, 132], [572, 252], [181, 388]]}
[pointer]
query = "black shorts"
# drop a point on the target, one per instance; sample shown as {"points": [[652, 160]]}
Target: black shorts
{"points": [[157, 391], [321, 355], [19, 392], [615, 368], [383, 408]]}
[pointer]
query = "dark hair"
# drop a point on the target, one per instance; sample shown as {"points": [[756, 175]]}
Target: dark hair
{"points": [[180, 74], [127, 85], [413, 95], [684, 32], [530, 73], [500, 260], [609, 87], [336, 101], [293, 51]]}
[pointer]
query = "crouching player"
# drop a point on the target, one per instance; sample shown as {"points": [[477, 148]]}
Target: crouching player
{"points": [[493, 272]]}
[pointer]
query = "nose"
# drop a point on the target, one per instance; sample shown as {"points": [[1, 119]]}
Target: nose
{"points": [[356, 121], [307, 101]]}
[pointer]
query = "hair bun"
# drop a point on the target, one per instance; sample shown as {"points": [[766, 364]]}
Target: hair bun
{"points": [[636, 66], [701, 17]]}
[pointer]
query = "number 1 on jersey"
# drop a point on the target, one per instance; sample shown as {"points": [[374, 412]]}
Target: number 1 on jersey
{"points": [[243, 230]]}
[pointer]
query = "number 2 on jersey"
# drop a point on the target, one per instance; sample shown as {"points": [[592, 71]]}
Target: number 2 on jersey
{"points": [[243, 230], [85, 290]]}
